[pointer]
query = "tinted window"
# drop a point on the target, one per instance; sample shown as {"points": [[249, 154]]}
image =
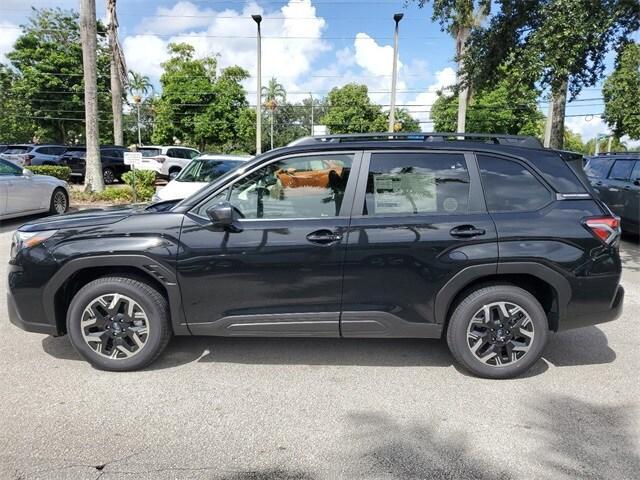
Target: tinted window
{"points": [[635, 175], [417, 183], [8, 168], [17, 149], [206, 170], [192, 153], [299, 187], [621, 170], [509, 186], [175, 153], [598, 167], [149, 152]]}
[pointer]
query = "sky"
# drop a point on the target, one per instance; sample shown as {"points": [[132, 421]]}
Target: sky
{"points": [[310, 46]]}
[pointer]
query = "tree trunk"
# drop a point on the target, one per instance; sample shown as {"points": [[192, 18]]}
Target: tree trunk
{"points": [[462, 36], [559, 103], [93, 171], [116, 74]]}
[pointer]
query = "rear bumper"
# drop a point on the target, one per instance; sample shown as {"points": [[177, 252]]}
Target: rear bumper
{"points": [[593, 318], [16, 318]]}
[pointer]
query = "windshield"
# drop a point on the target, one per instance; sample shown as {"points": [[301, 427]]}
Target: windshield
{"points": [[8, 168], [207, 170], [150, 152]]}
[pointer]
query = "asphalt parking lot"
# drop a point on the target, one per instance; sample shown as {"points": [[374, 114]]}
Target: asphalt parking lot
{"points": [[254, 409]]}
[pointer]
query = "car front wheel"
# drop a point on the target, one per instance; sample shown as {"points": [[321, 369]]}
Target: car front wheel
{"points": [[119, 323], [59, 202], [498, 331], [108, 176]]}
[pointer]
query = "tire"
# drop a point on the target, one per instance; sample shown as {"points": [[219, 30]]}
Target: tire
{"points": [[108, 176], [173, 170], [59, 202], [109, 298], [506, 346]]}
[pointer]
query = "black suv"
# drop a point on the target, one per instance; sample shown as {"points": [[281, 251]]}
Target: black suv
{"points": [[111, 157], [489, 241], [616, 179]]}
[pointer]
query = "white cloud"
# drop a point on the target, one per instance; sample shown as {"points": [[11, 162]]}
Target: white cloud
{"points": [[588, 126], [233, 38], [182, 16], [9, 34], [421, 105], [373, 57]]}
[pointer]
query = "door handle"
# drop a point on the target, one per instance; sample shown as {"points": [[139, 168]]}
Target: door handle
{"points": [[466, 231], [598, 184], [628, 187], [324, 237]]}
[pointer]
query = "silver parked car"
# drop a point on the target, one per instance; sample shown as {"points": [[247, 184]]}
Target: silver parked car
{"points": [[24, 155], [23, 193]]}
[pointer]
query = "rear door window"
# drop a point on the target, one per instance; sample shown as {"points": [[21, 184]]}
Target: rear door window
{"points": [[598, 167], [621, 170], [415, 183], [635, 174], [510, 187]]}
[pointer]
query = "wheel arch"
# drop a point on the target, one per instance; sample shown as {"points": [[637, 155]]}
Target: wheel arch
{"points": [[549, 287], [77, 273]]}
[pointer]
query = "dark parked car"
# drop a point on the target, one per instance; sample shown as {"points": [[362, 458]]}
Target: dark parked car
{"points": [[112, 158], [25, 155], [616, 179], [491, 242]]}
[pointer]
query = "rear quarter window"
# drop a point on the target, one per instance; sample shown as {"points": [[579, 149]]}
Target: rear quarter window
{"points": [[621, 170], [510, 187]]}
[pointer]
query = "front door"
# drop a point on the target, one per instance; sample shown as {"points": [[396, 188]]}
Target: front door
{"points": [[281, 273], [419, 219]]}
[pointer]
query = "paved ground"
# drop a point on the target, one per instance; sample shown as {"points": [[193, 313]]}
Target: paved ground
{"points": [[254, 409]]}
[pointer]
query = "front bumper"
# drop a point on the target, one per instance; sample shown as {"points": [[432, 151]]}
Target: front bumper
{"points": [[593, 318], [20, 322]]}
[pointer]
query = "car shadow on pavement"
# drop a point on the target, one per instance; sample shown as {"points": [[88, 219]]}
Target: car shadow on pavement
{"points": [[562, 436], [587, 346]]}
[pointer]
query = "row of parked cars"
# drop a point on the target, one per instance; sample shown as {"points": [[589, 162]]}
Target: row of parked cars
{"points": [[166, 161]]}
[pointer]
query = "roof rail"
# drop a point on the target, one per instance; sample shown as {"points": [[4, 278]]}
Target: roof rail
{"points": [[500, 139], [606, 154]]}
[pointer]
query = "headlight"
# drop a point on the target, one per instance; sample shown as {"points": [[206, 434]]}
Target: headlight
{"points": [[29, 240]]}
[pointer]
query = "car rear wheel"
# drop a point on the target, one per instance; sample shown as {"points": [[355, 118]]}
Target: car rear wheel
{"points": [[498, 331], [108, 176], [59, 202], [119, 323]]}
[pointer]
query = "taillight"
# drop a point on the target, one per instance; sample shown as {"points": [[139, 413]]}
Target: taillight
{"points": [[26, 159], [158, 159], [606, 228]]}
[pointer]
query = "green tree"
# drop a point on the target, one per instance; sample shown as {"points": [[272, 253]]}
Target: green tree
{"points": [[15, 122], [196, 106], [139, 85], [350, 110], [47, 60], [621, 92], [458, 17], [560, 43], [573, 142], [510, 107], [616, 146]]}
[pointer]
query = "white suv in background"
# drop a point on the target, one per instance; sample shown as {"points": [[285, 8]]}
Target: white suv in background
{"points": [[165, 161]]}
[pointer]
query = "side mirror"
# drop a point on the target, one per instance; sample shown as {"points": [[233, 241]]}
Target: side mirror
{"points": [[636, 182], [27, 173], [225, 215]]}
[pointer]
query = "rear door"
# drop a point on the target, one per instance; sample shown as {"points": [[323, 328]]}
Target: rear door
{"points": [[631, 218], [597, 170], [618, 181], [419, 218]]}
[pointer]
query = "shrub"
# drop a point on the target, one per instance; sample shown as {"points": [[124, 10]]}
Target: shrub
{"points": [[57, 171], [109, 194], [145, 183]]}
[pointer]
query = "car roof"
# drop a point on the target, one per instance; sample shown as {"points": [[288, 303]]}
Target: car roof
{"points": [[166, 146]]}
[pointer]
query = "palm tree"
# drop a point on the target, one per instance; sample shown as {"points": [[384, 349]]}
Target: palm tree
{"points": [[273, 93], [118, 71], [139, 85]]}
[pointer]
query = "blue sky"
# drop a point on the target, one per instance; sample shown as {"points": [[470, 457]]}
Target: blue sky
{"points": [[309, 45]]}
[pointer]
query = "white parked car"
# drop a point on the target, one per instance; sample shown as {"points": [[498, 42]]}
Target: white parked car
{"points": [[165, 161], [23, 193], [200, 172]]}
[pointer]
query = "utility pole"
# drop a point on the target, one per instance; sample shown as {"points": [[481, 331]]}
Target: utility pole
{"points": [[258, 20], [311, 95], [93, 179], [392, 112], [118, 72], [547, 126]]}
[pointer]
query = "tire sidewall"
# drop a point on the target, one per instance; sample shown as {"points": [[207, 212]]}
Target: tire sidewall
{"points": [[113, 176], [52, 208], [156, 318], [457, 333]]}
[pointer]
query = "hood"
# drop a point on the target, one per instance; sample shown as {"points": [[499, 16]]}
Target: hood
{"points": [[179, 190], [85, 218]]}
